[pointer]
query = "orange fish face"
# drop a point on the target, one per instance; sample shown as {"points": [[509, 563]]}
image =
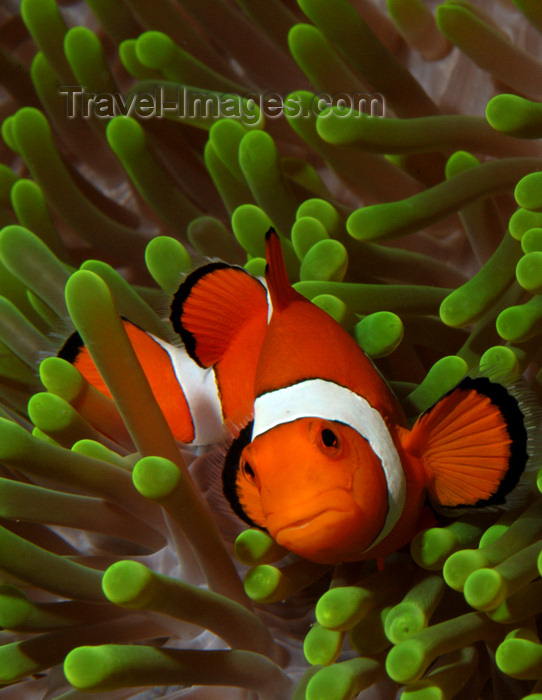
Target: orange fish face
{"points": [[316, 486]]}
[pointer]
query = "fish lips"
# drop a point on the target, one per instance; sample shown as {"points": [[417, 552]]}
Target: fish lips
{"points": [[322, 530]]}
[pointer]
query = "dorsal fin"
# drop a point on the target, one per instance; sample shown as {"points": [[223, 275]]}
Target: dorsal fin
{"points": [[280, 290], [473, 444], [212, 305]]}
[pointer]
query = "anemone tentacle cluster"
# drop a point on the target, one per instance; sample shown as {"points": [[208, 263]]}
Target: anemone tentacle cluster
{"points": [[395, 147]]}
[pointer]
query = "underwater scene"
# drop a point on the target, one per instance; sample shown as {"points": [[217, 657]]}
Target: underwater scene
{"points": [[245, 247]]}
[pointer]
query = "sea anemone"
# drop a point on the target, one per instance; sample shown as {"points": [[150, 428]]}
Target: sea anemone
{"points": [[394, 148]]}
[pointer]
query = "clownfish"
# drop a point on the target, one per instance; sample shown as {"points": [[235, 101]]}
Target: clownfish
{"points": [[206, 381], [322, 457], [329, 466]]}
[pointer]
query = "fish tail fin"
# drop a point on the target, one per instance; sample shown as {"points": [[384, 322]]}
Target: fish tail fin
{"points": [[476, 443], [280, 290], [211, 307]]}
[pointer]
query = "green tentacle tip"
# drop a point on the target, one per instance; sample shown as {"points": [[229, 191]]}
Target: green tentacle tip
{"points": [[484, 589], [31, 209], [515, 116], [403, 621], [430, 548], [60, 377], [476, 297], [130, 60], [15, 664], [81, 286], [493, 533], [529, 272], [336, 308], [421, 691], [322, 646], [15, 441], [125, 582], [226, 136], [460, 161], [155, 477], [406, 661], [29, 259], [50, 413], [322, 211], [341, 608], [249, 224], [256, 266], [155, 49], [85, 54], [257, 150], [379, 334], [125, 136], [375, 220], [7, 134], [519, 657], [528, 192], [261, 582], [88, 667], [13, 239], [91, 448], [462, 307], [522, 220], [254, 547], [447, 679], [307, 231], [521, 322], [326, 260], [343, 681], [32, 125], [443, 376], [460, 565], [166, 259], [531, 241], [15, 607], [500, 361]]}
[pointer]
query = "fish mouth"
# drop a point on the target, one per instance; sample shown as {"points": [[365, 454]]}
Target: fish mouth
{"points": [[323, 529], [315, 537], [297, 516], [315, 531], [305, 522]]}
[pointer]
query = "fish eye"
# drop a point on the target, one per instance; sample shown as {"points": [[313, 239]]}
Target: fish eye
{"points": [[247, 470], [329, 439]]}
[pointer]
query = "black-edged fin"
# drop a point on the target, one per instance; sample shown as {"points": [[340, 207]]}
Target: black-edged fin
{"points": [[230, 475], [71, 348], [476, 443], [210, 307], [216, 474]]}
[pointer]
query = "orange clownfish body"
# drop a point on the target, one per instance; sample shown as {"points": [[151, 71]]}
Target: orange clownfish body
{"points": [[331, 471]]}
